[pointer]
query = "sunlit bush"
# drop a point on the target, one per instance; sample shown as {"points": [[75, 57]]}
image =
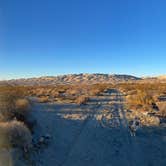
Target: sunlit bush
{"points": [[82, 100]]}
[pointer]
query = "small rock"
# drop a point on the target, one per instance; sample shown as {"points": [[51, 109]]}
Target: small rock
{"points": [[41, 140], [47, 136]]}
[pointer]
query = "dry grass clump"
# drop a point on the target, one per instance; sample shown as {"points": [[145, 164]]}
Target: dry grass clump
{"points": [[14, 134], [82, 100]]}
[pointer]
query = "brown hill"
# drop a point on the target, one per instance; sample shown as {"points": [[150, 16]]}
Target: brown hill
{"points": [[73, 79]]}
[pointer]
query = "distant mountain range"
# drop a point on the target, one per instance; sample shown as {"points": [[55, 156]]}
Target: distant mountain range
{"points": [[81, 79]]}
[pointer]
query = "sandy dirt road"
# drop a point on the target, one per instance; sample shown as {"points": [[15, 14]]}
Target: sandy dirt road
{"points": [[95, 135]]}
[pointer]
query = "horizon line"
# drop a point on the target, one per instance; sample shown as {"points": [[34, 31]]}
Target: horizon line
{"points": [[56, 75]]}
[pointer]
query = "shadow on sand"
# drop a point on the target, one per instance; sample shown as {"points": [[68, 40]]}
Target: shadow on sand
{"points": [[85, 142]]}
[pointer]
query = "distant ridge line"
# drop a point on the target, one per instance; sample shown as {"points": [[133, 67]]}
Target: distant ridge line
{"points": [[82, 78]]}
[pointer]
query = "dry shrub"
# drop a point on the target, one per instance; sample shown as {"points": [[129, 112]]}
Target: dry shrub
{"points": [[54, 93], [141, 98], [22, 106], [162, 108], [73, 92], [142, 101], [145, 119], [82, 100], [14, 134], [43, 99], [12, 103], [96, 89], [150, 120], [7, 107], [14, 107], [39, 93], [94, 92], [65, 93]]}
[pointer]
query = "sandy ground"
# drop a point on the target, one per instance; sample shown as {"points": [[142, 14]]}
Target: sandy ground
{"points": [[89, 136]]}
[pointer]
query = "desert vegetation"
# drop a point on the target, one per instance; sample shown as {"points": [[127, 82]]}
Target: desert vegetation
{"points": [[144, 101], [65, 93], [15, 134], [14, 124], [82, 100]]}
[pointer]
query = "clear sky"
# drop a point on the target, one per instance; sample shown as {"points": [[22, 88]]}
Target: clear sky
{"points": [[50, 37]]}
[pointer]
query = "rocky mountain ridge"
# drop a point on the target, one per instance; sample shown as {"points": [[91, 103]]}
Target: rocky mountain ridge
{"points": [[73, 79]]}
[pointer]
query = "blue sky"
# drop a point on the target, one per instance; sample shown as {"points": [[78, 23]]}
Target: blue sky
{"points": [[50, 37]]}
